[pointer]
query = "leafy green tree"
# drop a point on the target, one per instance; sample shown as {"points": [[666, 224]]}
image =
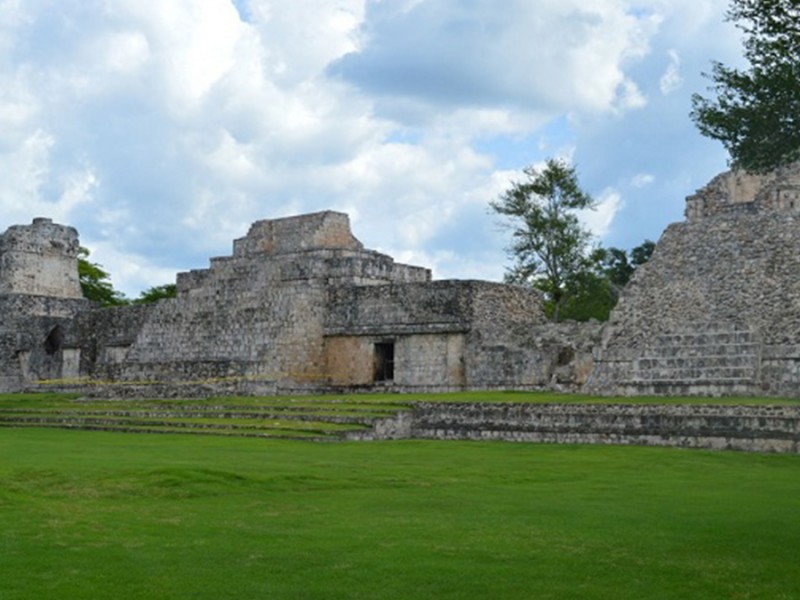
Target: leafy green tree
{"points": [[756, 113], [95, 282], [548, 242], [593, 293], [156, 293], [618, 266], [589, 295], [613, 264], [642, 253]]}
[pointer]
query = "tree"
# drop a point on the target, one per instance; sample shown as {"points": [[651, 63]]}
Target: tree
{"points": [[95, 282], [156, 293], [619, 266], [549, 244], [589, 295], [756, 113], [642, 253], [594, 292]]}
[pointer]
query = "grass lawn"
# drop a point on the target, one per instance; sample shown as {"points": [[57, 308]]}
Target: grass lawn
{"points": [[104, 515]]}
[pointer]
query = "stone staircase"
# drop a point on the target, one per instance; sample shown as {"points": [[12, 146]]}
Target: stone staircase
{"points": [[286, 418], [703, 361]]}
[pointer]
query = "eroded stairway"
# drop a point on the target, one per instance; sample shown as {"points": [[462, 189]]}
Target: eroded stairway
{"points": [[719, 360]]}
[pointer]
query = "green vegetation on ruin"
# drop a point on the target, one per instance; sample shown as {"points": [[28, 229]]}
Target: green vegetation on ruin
{"points": [[101, 515]]}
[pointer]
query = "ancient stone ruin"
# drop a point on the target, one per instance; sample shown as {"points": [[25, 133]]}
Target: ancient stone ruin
{"points": [[39, 297], [717, 309], [302, 306]]}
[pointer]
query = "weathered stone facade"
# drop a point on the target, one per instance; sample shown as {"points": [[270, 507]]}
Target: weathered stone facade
{"points": [[748, 428], [716, 311], [39, 260], [299, 306], [39, 297]]}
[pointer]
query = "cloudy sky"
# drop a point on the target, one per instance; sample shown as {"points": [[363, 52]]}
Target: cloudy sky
{"points": [[162, 128]]}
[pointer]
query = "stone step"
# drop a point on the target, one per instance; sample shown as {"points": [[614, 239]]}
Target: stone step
{"points": [[700, 387], [287, 434], [702, 338], [704, 361], [693, 374], [109, 423], [678, 350], [136, 415]]}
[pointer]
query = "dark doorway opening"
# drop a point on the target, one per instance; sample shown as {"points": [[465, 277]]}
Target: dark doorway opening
{"points": [[54, 340], [384, 361]]}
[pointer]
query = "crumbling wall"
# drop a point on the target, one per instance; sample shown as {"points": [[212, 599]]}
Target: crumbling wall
{"points": [[36, 339], [315, 231], [39, 296], [40, 259], [456, 335]]}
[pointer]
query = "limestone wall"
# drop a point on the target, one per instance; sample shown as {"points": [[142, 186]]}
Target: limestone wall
{"points": [[717, 309], [40, 259], [740, 192], [438, 306], [751, 428], [316, 231], [454, 335], [35, 339], [39, 297], [302, 305]]}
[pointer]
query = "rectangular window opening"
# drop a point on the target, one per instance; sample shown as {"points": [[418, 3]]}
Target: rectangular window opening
{"points": [[384, 361]]}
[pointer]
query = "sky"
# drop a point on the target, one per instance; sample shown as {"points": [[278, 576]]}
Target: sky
{"points": [[161, 129]]}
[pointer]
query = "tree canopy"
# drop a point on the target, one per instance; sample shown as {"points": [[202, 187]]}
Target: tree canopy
{"points": [[549, 243], [756, 112], [550, 248], [156, 293], [96, 285], [593, 292], [96, 282]]}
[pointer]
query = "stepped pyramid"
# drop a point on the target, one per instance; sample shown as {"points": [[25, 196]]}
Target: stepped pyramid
{"points": [[717, 309]]}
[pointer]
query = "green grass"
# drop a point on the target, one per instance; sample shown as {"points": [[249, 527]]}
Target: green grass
{"points": [[299, 417], [367, 402], [102, 515], [318, 417]]}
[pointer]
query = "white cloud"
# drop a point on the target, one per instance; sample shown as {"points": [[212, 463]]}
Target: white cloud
{"points": [[304, 36], [641, 180], [671, 80], [23, 171], [129, 272], [162, 129], [193, 43], [599, 220], [630, 97], [78, 188], [556, 55], [122, 52]]}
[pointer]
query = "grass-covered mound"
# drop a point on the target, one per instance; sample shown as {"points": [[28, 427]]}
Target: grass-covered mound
{"points": [[100, 515]]}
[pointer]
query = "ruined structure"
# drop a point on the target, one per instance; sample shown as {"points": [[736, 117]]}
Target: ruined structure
{"points": [[717, 309], [39, 297], [301, 305]]}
